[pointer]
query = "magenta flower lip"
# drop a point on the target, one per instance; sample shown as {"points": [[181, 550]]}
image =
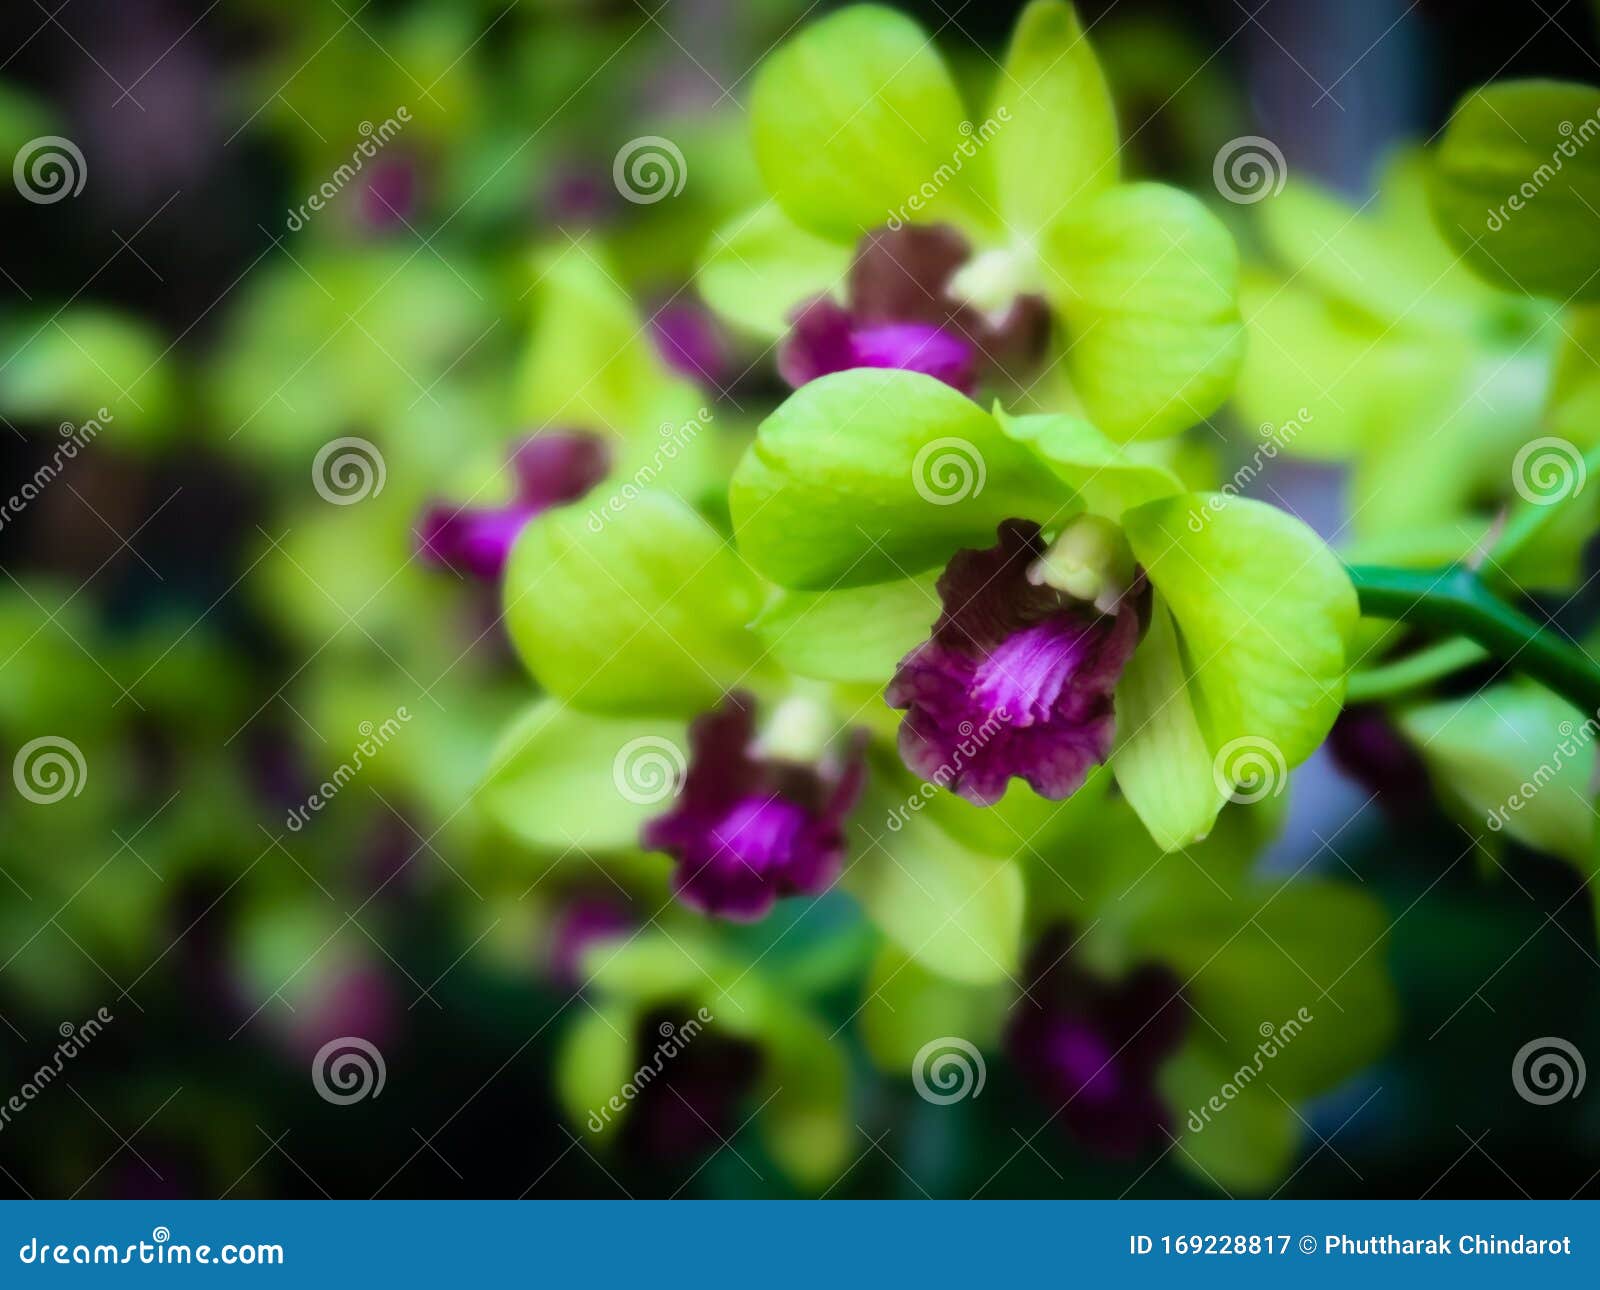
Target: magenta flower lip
{"points": [[900, 314], [747, 829], [551, 468], [1016, 680], [1091, 1048]]}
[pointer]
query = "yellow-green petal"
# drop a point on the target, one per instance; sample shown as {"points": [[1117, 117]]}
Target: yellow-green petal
{"points": [[1146, 281]]}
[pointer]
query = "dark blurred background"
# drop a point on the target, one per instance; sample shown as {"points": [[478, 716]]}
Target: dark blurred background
{"points": [[174, 602]]}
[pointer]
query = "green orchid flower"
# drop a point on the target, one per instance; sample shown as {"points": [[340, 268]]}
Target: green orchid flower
{"points": [[675, 1021], [1197, 640], [1012, 245], [670, 726], [1172, 1003], [1374, 344]]}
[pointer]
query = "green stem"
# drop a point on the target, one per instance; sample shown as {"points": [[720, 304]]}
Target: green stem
{"points": [[1455, 601], [1414, 671]]}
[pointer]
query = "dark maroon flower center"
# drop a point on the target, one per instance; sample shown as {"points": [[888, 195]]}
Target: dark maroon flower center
{"points": [[900, 313], [1016, 679], [551, 468], [749, 828], [1092, 1047]]}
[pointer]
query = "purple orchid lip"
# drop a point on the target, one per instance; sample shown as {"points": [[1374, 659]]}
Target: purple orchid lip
{"points": [[749, 828], [1016, 679], [1092, 1048], [551, 468], [690, 343], [900, 314], [583, 922]]}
